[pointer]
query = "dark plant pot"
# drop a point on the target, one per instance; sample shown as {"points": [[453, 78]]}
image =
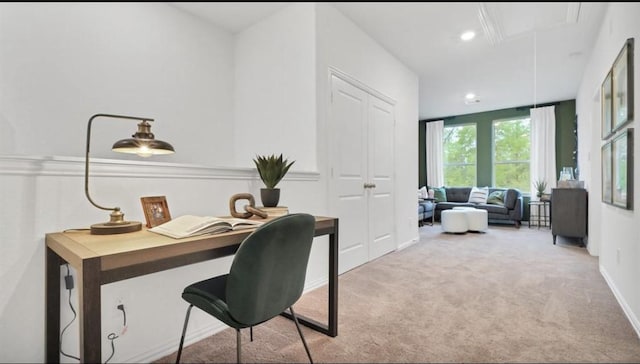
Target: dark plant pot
{"points": [[270, 196]]}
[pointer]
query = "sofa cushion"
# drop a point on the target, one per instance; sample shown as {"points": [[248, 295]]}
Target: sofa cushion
{"points": [[478, 195], [458, 194], [496, 209], [440, 194]]}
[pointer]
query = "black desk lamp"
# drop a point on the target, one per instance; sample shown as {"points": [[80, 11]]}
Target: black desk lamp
{"points": [[141, 143]]}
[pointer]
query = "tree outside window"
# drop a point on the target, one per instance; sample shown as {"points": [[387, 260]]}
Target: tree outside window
{"points": [[459, 159], [511, 153]]}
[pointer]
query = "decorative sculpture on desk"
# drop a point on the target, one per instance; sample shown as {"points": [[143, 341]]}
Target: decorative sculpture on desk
{"points": [[249, 209]]}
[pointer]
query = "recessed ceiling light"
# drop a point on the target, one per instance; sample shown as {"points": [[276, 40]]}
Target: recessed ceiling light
{"points": [[467, 36], [470, 96]]}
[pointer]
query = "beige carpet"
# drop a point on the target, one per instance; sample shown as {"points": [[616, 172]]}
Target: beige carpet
{"points": [[507, 295]]}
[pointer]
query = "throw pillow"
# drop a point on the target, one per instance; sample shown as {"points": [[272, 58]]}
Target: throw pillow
{"points": [[422, 192], [440, 194], [479, 195], [496, 198]]}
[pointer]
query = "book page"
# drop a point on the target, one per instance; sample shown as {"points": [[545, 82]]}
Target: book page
{"points": [[187, 225], [190, 225]]}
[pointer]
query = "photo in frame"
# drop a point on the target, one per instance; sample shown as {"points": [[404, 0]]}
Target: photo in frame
{"points": [[622, 169], [607, 173], [622, 86], [156, 210], [607, 106]]}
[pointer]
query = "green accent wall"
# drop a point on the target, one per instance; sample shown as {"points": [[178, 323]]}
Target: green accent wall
{"points": [[566, 143]]}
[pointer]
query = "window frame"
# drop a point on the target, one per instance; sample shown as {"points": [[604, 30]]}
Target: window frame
{"points": [[493, 149], [475, 165]]}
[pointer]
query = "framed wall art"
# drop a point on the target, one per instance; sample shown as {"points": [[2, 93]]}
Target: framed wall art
{"points": [[622, 169], [156, 210], [607, 106], [607, 174], [622, 87]]}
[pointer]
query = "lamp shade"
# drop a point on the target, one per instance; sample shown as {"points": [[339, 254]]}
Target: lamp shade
{"points": [[142, 147], [143, 143]]}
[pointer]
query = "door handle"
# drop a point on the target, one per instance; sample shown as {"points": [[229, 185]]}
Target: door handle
{"points": [[369, 185]]}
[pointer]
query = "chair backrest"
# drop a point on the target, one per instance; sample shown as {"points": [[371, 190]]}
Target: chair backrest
{"points": [[269, 269]]}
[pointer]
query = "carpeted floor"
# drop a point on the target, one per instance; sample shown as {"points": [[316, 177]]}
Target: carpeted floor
{"points": [[507, 295]]}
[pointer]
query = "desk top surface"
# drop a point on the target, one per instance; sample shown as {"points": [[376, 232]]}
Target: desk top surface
{"points": [[75, 246]]}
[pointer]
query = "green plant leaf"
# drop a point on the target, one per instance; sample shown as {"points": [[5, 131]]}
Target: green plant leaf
{"points": [[272, 169]]}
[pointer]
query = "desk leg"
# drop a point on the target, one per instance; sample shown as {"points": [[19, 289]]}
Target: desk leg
{"points": [[332, 328], [52, 306], [333, 283], [89, 311]]}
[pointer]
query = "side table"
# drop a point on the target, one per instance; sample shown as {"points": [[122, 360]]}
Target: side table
{"points": [[543, 218]]}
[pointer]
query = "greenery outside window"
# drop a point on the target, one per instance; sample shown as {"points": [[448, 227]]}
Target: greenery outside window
{"points": [[459, 155], [511, 153]]}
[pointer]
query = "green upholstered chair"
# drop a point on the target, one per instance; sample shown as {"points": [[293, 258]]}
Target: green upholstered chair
{"points": [[266, 277]]}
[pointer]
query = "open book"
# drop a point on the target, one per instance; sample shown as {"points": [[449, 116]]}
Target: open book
{"points": [[189, 225]]}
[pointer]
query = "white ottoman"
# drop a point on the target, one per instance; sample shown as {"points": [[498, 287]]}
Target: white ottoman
{"points": [[454, 221], [477, 220]]}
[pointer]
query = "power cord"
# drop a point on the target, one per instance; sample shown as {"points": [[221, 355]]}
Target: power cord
{"points": [[68, 281], [112, 336]]}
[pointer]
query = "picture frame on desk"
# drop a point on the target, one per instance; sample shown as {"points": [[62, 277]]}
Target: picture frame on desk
{"points": [[156, 210]]}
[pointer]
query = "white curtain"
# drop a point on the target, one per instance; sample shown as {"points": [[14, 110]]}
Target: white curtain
{"points": [[435, 169], [543, 147]]}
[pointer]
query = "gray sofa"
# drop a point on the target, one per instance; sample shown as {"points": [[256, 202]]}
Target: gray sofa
{"points": [[425, 211], [511, 211]]}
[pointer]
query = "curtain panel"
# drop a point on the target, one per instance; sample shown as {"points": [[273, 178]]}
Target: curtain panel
{"points": [[434, 150], [543, 147]]}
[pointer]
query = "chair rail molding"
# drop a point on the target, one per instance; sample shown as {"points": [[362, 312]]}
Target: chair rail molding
{"points": [[74, 166]]}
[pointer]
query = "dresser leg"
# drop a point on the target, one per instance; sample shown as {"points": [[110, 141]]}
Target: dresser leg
{"points": [[554, 240]]}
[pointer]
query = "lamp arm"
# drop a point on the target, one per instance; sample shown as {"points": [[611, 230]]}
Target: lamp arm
{"points": [[86, 162]]}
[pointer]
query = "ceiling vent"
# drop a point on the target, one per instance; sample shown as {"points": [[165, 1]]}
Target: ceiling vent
{"points": [[505, 21]]}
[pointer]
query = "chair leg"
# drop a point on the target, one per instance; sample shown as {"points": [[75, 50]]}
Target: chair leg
{"points": [[304, 342], [184, 331], [238, 345], [251, 332]]}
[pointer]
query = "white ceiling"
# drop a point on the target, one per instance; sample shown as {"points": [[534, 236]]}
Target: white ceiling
{"points": [[523, 53]]}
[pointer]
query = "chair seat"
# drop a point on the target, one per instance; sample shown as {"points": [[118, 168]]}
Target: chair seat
{"points": [[210, 296]]}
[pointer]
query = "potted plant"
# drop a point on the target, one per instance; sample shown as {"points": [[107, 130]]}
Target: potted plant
{"points": [[271, 169], [540, 186]]}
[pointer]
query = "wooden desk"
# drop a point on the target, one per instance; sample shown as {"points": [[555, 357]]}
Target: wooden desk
{"points": [[102, 259]]}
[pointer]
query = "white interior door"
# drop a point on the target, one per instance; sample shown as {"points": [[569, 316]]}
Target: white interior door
{"points": [[362, 173], [381, 170], [348, 158]]}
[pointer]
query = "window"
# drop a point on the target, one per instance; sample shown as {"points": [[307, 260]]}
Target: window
{"points": [[459, 149], [511, 153]]}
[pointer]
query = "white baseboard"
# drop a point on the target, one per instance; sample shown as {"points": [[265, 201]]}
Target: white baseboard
{"points": [[623, 303], [407, 244]]}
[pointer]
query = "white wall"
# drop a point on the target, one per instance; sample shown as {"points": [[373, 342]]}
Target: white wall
{"points": [[614, 231], [343, 46], [62, 63], [275, 109]]}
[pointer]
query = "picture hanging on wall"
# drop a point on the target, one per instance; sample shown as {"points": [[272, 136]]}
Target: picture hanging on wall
{"points": [[607, 106], [622, 166], [607, 174], [622, 86]]}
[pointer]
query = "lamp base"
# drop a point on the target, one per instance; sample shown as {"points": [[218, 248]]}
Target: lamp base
{"points": [[107, 228]]}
